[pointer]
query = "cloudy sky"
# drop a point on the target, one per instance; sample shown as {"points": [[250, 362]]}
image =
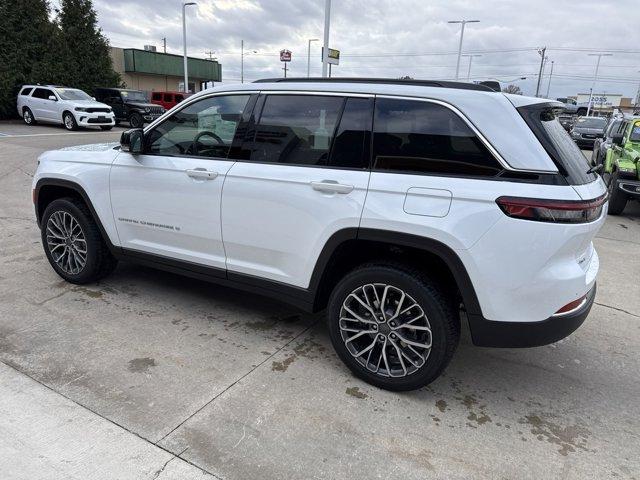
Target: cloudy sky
{"points": [[392, 38]]}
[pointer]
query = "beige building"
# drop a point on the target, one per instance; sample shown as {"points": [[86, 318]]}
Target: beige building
{"points": [[155, 71]]}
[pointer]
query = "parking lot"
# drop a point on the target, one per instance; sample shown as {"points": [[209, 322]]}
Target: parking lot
{"points": [[151, 375]]}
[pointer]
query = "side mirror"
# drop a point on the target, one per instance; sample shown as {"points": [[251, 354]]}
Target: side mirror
{"points": [[132, 140], [617, 138], [53, 98]]}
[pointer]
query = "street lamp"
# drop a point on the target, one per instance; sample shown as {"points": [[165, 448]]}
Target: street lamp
{"points": [[550, 75], [309, 55], [242, 54], [595, 76], [184, 44], [470, 55], [325, 50], [463, 22]]}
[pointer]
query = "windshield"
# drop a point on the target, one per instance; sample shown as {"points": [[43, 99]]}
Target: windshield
{"points": [[635, 133], [591, 122], [133, 96], [72, 94], [557, 142]]}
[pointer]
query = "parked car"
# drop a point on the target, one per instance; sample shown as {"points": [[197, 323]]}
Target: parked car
{"points": [[129, 106], [567, 121], [168, 100], [402, 208], [70, 107], [587, 129], [622, 166], [601, 145], [571, 106]]}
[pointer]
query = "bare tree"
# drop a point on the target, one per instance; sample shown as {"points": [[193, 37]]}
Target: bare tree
{"points": [[515, 89]]}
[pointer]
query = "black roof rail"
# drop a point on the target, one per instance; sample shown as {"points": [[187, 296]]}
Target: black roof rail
{"points": [[389, 81]]}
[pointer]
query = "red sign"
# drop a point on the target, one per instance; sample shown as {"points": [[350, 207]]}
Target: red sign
{"points": [[285, 56]]}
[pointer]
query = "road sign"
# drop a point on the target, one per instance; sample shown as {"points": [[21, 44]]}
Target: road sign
{"points": [[285, 55], [334, 56]]}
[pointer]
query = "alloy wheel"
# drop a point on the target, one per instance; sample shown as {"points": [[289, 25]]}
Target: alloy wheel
{"points": [[27, 117], [68, 122], [385, 330], [66, 242]]}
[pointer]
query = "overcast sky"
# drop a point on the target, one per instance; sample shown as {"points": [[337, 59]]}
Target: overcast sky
{"points": [[390, 38]]}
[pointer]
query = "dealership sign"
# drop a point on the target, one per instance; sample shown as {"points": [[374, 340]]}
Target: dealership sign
{"points": [[600, 100], [334, 56], [285, 55]]}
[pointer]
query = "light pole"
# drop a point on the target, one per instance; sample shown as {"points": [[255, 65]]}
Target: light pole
{"points": [[309, 55], [595, 76], [470, 55], [550, 75], [463, 23], [542, 53], [242, 54], [184, 44], [325, 49]]}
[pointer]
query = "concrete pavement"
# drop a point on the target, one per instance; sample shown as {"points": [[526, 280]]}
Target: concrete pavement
{"points": [[113, 380]]}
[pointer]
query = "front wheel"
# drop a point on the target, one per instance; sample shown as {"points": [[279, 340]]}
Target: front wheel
{"points": [[136, 120], [617, 198], [392, 326], [73, 243], [69, 121]]}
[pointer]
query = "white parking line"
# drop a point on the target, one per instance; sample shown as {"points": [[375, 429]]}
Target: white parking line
{"points": [[13, 135]]}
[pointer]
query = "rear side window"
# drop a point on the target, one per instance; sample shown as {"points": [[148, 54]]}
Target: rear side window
{"points": [[168, 97], [26, 91], [351, 144], [570, 161], [156, 96], [296, 129], [422, 137]]}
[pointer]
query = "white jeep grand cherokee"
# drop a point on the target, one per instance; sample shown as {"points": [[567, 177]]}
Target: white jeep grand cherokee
{"points": [[400, 207], [70, 107]]}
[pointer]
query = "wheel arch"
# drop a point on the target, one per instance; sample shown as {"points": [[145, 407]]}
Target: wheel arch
{"points": [[349, 248], [50, 189]]}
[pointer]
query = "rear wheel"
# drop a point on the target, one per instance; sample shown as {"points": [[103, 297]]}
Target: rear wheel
{"points": [[392, 326], [617, 198], [69, 121], [73, 243], [27, 116]]}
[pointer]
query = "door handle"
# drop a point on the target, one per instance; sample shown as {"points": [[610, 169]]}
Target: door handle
{"points": [[331, 186], [201, 173]]}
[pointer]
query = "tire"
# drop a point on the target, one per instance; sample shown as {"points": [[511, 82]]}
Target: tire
{"points": [[27, 116], [617, 198], [58, 219], [136, 120], [69, 121], [433, 309], [106, 128], [581, 112]]}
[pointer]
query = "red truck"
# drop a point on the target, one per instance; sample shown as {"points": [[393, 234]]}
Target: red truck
{"points": [[168, 99]]}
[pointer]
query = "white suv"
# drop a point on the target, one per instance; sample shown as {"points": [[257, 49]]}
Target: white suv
{"points": [[70, 107], [401, 207]]}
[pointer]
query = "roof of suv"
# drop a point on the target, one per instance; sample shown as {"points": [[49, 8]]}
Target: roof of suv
{"points": [[383, 81]]}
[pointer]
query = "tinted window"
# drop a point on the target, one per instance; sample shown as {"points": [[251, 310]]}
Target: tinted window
{"points": [[179, 98], [204, 128], [168, 97], [350, 147], [26, 91], [415, 136], [613, 127], [156, 96], [296, 129], [42, 93], [634, 136], [557, 142]]}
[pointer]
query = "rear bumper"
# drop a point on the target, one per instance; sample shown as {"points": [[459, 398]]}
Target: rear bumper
{"points": [[488, 333], [630, 187]]}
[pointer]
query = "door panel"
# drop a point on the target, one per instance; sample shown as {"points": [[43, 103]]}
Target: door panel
{"points": [[167, 201]]}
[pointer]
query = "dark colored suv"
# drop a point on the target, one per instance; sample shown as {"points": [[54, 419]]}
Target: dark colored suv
{"points": [[129, 106]]}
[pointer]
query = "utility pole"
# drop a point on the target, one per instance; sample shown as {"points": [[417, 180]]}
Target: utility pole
{"points": [[184, 45], [463, 23], [164, 44], [542, 52], [470, 58], [325, 49], [550, 75], [595, 76], [309, 55], [210, 53]]}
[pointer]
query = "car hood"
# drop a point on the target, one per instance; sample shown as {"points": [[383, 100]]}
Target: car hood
{"points": [[89, 104], [94, 147], [142, 104]]}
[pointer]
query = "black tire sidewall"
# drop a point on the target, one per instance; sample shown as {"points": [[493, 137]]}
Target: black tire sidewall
{"points": [[617, 199], [433, 308], [136, 120], [88, 226]]}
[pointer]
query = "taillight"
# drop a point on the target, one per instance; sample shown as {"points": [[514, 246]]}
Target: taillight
{"points": [[556, 211]]}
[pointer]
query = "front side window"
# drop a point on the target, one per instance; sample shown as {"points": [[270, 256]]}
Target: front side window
{"points": [[156, 96], [296, 129], [422, 137], [204, 128], [42, 93], [635, 132], [168, 98], [133, 96]]}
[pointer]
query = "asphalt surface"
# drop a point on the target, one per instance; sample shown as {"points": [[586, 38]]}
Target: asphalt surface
{"points": [[149, 375]]}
